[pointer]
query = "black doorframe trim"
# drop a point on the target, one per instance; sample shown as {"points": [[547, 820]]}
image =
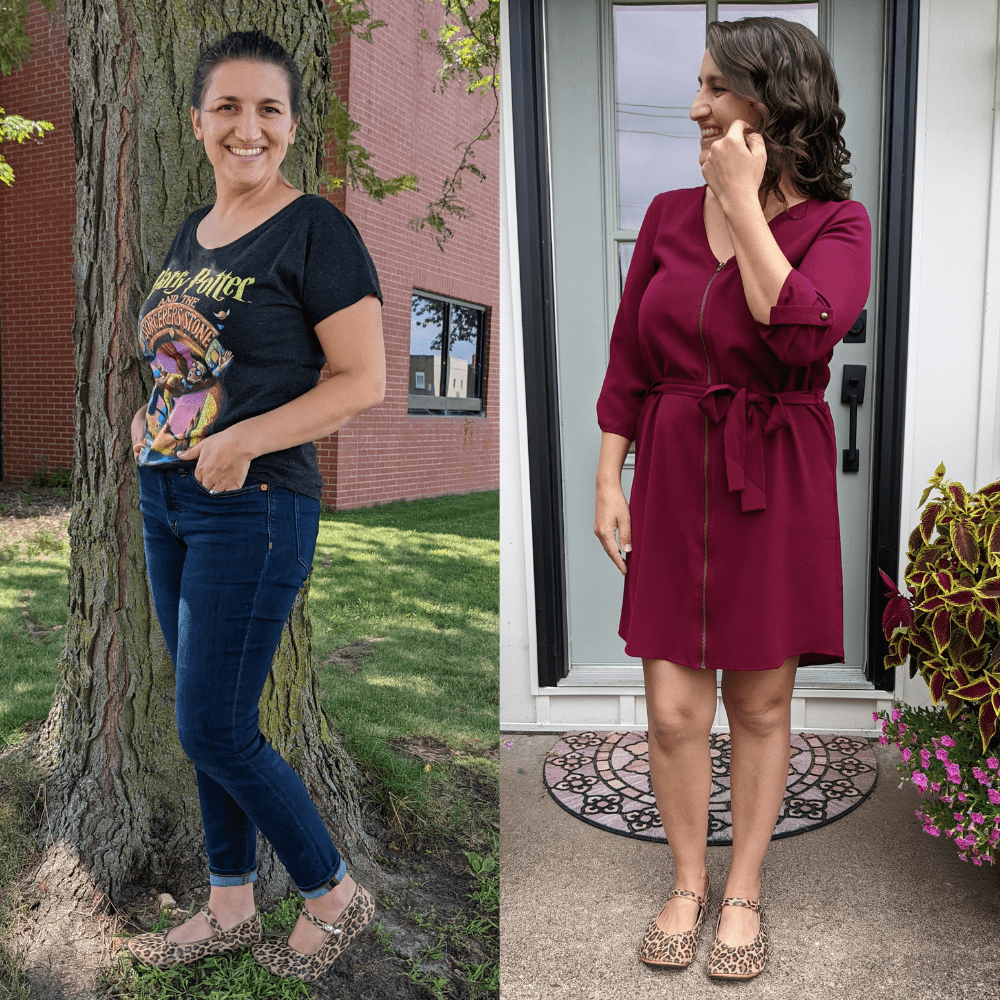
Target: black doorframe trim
{"points": [[898, 145], [527, 87]]}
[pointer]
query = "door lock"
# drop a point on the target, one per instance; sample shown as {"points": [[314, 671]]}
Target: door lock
{"points": [[853, 392]]}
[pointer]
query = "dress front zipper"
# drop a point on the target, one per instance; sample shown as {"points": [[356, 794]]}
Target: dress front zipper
{"points": [[708, 380]]}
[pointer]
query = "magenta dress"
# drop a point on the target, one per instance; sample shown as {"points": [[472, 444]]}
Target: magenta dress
{"points": [[735, 561]]}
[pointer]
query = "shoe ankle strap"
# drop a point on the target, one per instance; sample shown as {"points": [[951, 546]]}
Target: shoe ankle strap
{"points": [[700, 900], [752, 904], [325, 925]]}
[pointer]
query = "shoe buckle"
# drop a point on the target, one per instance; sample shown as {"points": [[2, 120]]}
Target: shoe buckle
{"points": [[328, 927], [336, 930]]}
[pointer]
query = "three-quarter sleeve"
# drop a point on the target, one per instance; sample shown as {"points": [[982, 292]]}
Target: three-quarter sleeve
{"points": [[823, 296], [626, 380]]}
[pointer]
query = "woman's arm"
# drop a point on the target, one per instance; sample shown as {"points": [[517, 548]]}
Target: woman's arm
{"points": [[733, 170], [352, 341], [138, 431], [611, 511]]}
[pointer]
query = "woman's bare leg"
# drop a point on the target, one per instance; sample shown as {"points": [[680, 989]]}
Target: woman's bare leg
{"points": [[680, 707], [758, 703]]}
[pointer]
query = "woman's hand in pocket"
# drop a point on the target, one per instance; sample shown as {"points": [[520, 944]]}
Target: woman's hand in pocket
{"points": [[138, 431], [223, 462]]}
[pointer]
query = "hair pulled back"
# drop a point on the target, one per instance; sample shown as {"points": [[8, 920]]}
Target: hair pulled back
{"points": [[784, 71], [251, 46]]}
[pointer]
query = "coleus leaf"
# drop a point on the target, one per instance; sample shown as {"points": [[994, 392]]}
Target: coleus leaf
{"points": [[923, 643], [975, 659], [931, 604], [925, 495], [959, 676], [941, 627], [989, 588], [953, 706], [936, 685], [914, 542], [990, 605], [889, 582], [927, 518], [976, 624], [964, 542], [987, 723], [958, 495], [945, 580], [993, 541], [897, 613], [959, 598], [973, 692]]}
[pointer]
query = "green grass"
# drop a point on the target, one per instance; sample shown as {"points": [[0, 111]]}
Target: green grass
{"points": [[419, 712]]}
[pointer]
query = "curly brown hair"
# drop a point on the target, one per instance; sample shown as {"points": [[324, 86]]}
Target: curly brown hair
{"points": [[784, 71]]}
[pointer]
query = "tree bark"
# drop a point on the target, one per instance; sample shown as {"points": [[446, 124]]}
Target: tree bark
{"points": [[121, 803]]}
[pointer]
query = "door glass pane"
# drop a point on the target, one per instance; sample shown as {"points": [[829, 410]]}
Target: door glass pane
{"points": [[658, 51], [624, 259], [463, 361], [426, 335], [804, 13]]}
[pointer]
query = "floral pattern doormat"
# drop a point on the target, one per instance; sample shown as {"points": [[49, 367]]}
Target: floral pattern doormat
{"points": [[603, 778]]}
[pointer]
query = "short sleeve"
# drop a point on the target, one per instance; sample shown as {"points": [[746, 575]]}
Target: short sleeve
{"points": [[338, 269], [821, 298], [626, 380]]}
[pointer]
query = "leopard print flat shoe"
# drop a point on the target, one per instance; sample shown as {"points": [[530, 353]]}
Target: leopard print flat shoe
{"points": [[283, 960], [744, 961], [675, 951], [155, 949]]}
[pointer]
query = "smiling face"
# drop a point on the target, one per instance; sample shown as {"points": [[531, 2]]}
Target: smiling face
{"points": [[245, 122], [715, 107]]}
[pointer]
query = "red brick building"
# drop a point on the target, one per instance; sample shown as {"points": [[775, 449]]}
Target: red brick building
{"points": [[402, 448]]}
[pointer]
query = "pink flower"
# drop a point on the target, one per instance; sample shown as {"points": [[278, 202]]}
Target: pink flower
{"points": [[947, 799], [883, 740], [942, 755], [958, 817], [980, 776], [947, 741], [907, 753], [976, 861], [994, 797], [920, 780], [925, 758], [965, 842], [994, 837], [875, 716], [977, 818], [932, 830], [993, 763], [961, 796], [954, 773], [961, 855], [895, 714], [936, 786], [902, 728]]}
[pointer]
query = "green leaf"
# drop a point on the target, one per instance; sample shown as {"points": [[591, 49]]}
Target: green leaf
{"points": [[924, 496], [958, 495], [939, 473]]}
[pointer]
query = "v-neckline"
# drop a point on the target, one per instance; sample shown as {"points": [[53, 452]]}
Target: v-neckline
{"points": [[704, 228]]}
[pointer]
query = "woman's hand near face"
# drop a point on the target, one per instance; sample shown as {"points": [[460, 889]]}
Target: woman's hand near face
{"points": [[734, 167], [611, 513]]}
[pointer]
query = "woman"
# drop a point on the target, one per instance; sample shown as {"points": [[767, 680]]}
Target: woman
{"points": [[258, 291], [736, 295]]}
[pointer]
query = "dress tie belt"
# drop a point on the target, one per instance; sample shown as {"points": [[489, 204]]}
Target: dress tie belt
{"points": [[748, 416]]}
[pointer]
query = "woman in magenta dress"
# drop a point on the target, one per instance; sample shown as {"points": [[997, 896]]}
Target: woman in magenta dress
{"points": [[736, 295]]}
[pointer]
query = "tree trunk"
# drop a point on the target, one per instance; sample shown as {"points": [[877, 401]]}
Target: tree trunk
{"points": [[121, 804]]}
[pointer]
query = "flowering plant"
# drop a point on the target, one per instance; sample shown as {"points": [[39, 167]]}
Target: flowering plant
{"points": [[941, 757], [950, 626]]}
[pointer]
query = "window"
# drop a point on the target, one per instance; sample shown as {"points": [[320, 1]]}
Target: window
{"points": [[657, 55], [447, 347]]}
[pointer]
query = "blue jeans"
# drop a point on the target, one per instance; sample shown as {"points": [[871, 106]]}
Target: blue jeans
{"points": [[224, 572]]}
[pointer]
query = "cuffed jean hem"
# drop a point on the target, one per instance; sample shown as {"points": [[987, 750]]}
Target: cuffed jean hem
{"points": [[337, 877], [228, 880]]}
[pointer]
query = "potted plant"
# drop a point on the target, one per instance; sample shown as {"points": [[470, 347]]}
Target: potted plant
{"points": [[949, 630]]}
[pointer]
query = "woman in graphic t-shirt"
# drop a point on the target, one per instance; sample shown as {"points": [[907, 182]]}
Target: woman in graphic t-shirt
{"points": [[257, 293]]}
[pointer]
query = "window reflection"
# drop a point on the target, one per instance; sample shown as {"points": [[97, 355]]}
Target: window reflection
{"points": [[804, 13], [658, 50], [446, 355]]}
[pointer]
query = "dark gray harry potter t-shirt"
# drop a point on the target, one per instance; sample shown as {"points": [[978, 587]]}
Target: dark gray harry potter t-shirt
{"points": [[229, 332]]}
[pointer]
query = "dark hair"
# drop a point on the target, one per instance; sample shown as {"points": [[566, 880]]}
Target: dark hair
{"points": [[782, 69], [250, 46]]}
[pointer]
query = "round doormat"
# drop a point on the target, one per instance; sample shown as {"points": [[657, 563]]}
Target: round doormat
{"points": [[603, 778]]}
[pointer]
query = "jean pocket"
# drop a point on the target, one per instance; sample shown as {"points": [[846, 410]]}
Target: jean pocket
{"points": [[249, 486], [306, 529]]}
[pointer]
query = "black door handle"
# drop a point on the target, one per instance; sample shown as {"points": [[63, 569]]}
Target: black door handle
{"points": [[853, 392]]}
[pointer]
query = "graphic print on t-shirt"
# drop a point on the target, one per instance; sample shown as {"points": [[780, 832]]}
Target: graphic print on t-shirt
{"points": [[187, 360]]}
